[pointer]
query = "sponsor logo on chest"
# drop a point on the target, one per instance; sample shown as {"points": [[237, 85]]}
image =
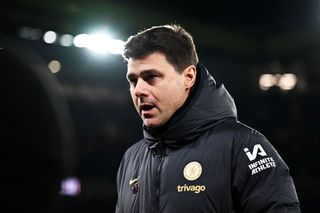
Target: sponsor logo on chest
{"points": [[192, 171]]}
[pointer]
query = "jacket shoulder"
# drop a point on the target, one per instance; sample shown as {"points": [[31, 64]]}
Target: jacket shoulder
{"points": [[134, 149], [242, 134], [239, 132]]}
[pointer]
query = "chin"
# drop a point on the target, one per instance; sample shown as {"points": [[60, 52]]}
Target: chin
{"points": [[152, 124]]}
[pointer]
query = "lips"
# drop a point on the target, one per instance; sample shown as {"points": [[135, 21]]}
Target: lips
{"points": [[146, 107]]}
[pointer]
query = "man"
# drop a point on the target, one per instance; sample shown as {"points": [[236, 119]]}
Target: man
{"points": [[195, 156]]}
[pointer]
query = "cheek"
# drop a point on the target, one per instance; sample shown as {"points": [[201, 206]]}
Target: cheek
{"points": [[171, 98], [133, 98], [179, 82], [177, 95]]}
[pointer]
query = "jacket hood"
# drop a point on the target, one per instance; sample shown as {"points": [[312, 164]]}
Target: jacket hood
{"points": [[208, 104]]}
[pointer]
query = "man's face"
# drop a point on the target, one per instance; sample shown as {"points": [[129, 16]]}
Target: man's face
{"points": [[156, 88]]}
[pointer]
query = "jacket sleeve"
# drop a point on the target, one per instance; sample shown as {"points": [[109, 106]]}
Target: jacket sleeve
{"points": [[120, 179], [261, 181]]}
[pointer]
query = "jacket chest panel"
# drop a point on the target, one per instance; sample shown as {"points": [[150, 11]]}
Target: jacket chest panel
{"points": [[194, 178], [193, 174]]}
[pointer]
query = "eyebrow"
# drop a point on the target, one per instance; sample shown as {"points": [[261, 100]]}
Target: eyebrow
{"points": [[142, 73]]}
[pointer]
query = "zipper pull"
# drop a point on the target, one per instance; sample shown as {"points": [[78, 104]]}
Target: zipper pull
{"points": [[159, 149]]}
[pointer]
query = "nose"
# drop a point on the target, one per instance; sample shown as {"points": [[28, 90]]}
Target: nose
{"points": [[141, 88]]}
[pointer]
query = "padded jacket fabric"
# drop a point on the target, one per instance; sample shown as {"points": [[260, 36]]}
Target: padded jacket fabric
{"points": [[204, 160]]}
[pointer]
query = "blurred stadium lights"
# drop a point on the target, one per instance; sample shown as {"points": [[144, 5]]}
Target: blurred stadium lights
{"points": [[286, 81], [30, 33], [96, 42], [266, 81], [80, 40], [66, 40], [102, 43], [70, 186], [54, 66], [50, 37]]}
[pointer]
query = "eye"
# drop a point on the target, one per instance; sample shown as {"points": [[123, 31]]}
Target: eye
{"points": [[132, 81], [150, 78]]}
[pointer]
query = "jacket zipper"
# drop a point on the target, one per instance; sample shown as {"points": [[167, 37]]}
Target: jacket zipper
{"points": [[158, 183], [162, 156]]}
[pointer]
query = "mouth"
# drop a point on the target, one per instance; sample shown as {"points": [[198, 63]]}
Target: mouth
{"points": [[145, 107]]}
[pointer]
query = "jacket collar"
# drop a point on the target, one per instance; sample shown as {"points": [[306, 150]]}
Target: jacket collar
{"points": [[208, 104]]}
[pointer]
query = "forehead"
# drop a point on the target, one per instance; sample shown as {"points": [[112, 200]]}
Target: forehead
{"points": [[154, 61]]}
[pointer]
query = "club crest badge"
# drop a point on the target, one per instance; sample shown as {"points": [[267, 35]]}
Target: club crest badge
{"points": [[192, 171]]}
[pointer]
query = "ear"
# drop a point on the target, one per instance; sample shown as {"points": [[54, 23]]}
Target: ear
{"points": [[190, 74]]}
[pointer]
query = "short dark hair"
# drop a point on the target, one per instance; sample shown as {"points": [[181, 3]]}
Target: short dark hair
{"points": [[171, 40]]}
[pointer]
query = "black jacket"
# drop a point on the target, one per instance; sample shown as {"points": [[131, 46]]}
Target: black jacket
{"points": [[205, 161]]}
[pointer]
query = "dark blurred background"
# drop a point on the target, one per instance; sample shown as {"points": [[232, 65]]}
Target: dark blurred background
{"points": [[238, 41]]}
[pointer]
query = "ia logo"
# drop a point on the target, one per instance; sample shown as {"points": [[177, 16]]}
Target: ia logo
{"points": [[257, 150]]}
